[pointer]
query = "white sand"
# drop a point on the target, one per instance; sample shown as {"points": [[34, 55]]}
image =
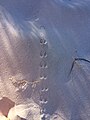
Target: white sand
{"points": [[65, 25]]}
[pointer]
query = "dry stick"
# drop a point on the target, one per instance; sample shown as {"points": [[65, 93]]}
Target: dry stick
{"points": [[77, 59]]}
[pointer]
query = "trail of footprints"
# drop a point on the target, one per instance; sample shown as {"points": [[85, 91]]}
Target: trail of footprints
{"points": [[43, 76]]}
